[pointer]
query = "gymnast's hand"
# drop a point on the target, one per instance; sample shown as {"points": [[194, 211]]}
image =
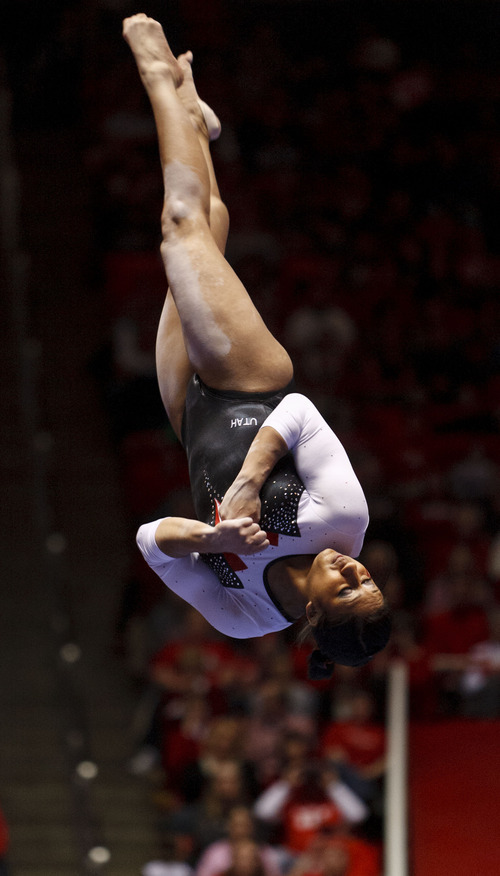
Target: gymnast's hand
{"points": [[241, 500], [241, 536], [242, 497]]}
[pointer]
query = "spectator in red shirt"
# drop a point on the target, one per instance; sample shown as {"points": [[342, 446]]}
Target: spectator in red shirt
{"points": [[338, 854], [356, 744], [454, 632], [463, 625], [302, 802]]}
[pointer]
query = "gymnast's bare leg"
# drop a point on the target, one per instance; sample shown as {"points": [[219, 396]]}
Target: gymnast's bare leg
{"points": [[209, 324]]}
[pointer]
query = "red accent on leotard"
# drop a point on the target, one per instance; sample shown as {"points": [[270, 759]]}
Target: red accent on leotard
{"points": [[233, 560]]}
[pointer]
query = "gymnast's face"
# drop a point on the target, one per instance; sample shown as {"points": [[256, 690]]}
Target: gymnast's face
{"points": [[339, 586]]}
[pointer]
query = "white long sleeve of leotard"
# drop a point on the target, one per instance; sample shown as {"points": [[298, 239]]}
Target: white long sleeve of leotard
{"points": [[323, 466], [196, 584]]}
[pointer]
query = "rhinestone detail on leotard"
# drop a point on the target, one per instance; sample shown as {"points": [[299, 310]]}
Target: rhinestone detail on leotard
{"points": [[281, 504]]}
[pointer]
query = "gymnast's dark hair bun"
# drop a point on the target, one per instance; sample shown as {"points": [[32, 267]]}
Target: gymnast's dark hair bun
{"points": [[318, 666], [352, 643]]}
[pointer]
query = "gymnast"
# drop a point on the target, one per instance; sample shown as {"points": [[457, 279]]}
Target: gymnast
{"points": [[280, 511]]}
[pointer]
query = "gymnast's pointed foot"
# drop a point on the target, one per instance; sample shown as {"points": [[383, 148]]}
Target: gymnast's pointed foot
{"points": [[202, 117], [151, 51]]}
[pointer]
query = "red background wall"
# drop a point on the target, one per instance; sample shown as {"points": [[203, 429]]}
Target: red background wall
{"points": [[455, 798]]}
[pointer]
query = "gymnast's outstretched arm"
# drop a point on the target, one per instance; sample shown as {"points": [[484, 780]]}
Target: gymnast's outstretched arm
{"points": [[180, 536]]}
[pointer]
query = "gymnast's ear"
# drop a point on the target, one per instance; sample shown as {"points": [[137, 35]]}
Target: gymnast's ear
{"points": [[312, 614]]}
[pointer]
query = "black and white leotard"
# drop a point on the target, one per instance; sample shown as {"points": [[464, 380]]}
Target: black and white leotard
{"points": [[312, 500]]}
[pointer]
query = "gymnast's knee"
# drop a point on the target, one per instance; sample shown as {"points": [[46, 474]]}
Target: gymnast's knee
{"points": [[185, 204], [181, 219], [178, 219]]}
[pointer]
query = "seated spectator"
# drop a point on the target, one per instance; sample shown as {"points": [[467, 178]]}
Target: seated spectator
{"points": [[280, 706], [455, 632], [331, 861], [183, 740], [300, 697], [204, 821], [246, 860], [406, 645], [462, 565], [338, 853], [467, 530], [199, 637], [462, 624], [218, 857], [264, 729], [356, 744], [480, 682], [222, 744], [305, 800], [166, 868], [196, 663], [224, 672]]}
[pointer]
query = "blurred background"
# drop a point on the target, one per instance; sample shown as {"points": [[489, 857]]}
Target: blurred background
{"points": [[360, 162]]}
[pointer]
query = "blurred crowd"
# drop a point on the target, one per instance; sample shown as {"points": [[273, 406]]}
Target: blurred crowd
{"points": [[360, 162], [362, 178]]}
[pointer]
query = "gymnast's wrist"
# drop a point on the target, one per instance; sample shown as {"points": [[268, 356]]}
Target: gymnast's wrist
{"points": [[249, 480]]}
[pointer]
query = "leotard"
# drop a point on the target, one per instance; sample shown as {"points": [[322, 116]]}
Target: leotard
{"points": [[312, 500]]}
